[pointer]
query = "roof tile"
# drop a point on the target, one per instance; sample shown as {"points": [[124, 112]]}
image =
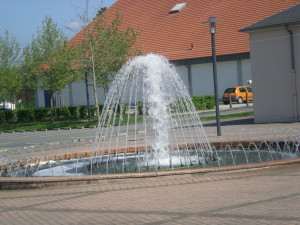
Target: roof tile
{"points": [[182, 35], [290, 16]]}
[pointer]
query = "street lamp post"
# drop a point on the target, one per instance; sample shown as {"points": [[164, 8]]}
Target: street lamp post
{"points": [[212, 29], [87, 92]]}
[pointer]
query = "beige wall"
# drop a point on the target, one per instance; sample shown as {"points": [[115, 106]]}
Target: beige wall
{"points": [[274, 98]]}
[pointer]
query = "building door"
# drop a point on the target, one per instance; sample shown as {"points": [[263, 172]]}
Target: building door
{"points": [[47, 99]]}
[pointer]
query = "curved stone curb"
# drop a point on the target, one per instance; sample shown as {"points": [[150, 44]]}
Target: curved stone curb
{"points": [[44, 182], [52, 129]]}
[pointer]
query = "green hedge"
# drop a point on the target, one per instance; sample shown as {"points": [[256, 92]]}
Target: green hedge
{"points": [[24, 115], [7, 116], [200, 102], [62, 113], [81, 112], [204, 102], [44, 114], [73, 110], [140, 107]]}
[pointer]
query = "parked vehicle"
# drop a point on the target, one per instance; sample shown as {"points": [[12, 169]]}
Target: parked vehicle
{"points": [[237, 94], [7, 106]]}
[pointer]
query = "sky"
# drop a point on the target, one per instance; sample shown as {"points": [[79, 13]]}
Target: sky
{"points": [[22, 17]]}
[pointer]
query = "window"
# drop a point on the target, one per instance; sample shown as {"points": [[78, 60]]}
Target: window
{"points": [[177, 8], [249, 89], [230, 90]]}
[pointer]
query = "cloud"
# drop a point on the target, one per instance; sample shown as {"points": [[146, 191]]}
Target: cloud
{"points": [[74, 26]]}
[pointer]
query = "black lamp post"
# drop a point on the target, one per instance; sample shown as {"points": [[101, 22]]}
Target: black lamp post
{"points": [[87, 92], [212, 29]]}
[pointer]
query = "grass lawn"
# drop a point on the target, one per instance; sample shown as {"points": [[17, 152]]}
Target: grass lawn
{"points": [[230, 116]]}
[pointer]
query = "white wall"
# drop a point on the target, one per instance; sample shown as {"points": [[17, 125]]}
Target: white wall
{"points": [[271, 72], [246, 71], [231, 73], [183, 73], [227, 74], [73, 95], [40, 102]]}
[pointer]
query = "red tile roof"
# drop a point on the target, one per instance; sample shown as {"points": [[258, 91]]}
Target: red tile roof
{"points": [[182, 35]]}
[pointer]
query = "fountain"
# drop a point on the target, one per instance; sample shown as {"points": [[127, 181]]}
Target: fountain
{"points": [[149, 123], [149, 89]]}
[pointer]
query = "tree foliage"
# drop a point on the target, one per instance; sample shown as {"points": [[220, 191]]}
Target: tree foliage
{"points": [[100, 11], [106, 47], [112, 46], [10, 75], [49, 59]]}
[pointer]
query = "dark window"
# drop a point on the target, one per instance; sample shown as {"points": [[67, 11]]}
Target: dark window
{"points": [[230, 90], [249, 89], [243, 90]]}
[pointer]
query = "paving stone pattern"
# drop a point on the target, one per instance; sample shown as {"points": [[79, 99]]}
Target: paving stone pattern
{"points": [[256, 196]]}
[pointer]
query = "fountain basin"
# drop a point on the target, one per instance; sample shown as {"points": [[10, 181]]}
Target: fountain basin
{"points": [[224, 154], [10, 183], [169, 140]]}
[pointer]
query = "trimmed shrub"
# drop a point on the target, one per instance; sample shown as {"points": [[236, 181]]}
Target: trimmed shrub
{"points": [[125, 108], [101, 106], [83, 111], [198, 102], [62, 113], [1, 117], [42, 114], [204, 102], [93, 110], [73, 110], [181, 105], [209, 101], [140, 107], [9, 116], [24, 115]]}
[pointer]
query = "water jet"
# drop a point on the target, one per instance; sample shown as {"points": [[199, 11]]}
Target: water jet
{"points": [[149, 123]]}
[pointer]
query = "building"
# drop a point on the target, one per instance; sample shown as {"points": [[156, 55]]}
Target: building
{"points": [[181, 36], [275, 65]]}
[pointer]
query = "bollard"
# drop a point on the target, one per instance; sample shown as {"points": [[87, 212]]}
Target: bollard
{"points": [[247, 99], [230, 102]]}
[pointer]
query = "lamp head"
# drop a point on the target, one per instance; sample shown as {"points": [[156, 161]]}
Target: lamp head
{"points": [[212, 24]]}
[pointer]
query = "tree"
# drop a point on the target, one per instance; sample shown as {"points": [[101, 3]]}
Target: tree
{"points": [[112, 47], [10, 76], [100, 11], [50, 59], [107, 46]]}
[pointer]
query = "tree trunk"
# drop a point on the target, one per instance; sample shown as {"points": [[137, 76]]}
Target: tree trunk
{"points": [[94, 77], [4, 117], [95, 95], [51, 105], [15, 102], [105, 91]]}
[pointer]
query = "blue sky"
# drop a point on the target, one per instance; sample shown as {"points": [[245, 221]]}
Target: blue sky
{"points": [[22, 17]]}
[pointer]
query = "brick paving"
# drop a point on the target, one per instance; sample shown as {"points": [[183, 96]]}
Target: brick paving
{"points": [[269, 195], [256, 196]]}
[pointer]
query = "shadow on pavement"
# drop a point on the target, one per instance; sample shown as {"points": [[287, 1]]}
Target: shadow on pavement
{"points": [[229, 122]]}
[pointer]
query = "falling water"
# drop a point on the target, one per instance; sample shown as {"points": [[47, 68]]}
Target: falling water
{"points": [[149, 89], [149, 123]]}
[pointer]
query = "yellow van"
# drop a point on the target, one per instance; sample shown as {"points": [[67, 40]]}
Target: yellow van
{"points": [[237, 94]]}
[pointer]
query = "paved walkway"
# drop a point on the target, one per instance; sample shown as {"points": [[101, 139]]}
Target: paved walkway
{"points": [[257, 196]]}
